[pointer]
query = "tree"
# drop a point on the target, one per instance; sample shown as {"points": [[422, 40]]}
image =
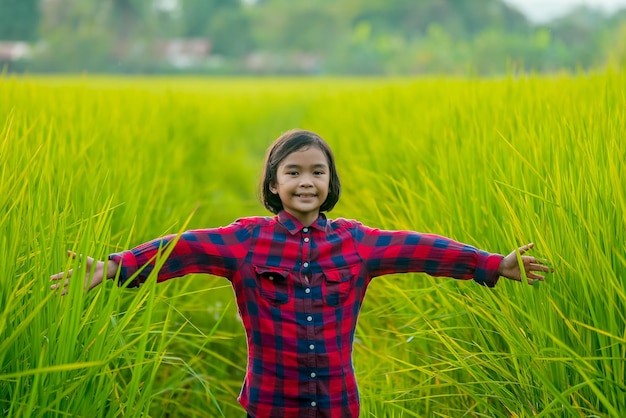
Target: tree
{"points": [[75, 36], [460, 18], [19, 20], [287, 25], [617, 47], [224, 22]]}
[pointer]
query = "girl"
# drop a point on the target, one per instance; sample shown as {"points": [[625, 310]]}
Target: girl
{"points": [[299, 279]]}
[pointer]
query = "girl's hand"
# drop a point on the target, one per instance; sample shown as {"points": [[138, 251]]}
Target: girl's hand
{"points": [[511, 269], [91, 279]]}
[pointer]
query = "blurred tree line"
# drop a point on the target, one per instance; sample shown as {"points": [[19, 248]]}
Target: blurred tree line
{"points": [[366, 37]]}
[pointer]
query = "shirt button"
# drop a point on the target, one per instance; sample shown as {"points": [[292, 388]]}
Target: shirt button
{"points": [[305, 229], [313, 403], [306, 264], [271, 277], [313, 374], [306, 239], [309, 318], [307, 290], [312, 347]]}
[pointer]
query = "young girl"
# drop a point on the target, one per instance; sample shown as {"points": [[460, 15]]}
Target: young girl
{"points": [[299, 279]]}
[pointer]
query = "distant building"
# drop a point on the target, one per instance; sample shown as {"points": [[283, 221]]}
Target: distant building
{"points": [[11, 51], [183, 53], [262, 62]]}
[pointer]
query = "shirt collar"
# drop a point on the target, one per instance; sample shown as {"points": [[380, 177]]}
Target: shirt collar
{"points": [[293, 225]]}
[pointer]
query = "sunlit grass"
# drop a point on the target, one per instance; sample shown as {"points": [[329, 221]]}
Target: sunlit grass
{"points": [[96, 165]]}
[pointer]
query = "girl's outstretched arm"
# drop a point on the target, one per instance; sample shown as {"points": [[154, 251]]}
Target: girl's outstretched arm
{"points": [[511, 268], [388, 252], [217, 251], [92, 278]]}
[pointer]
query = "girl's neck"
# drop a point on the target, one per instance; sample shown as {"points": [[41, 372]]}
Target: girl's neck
{"points": [[305, 219]]}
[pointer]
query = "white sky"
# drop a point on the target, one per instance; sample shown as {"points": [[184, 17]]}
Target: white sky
{"points": [[535, 10], [543, 10]]}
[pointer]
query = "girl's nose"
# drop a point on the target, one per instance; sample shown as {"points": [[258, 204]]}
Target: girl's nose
{"points": [[305, 180]]}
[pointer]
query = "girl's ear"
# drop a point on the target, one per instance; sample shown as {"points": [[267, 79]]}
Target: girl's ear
{"points": [[273, 188]]}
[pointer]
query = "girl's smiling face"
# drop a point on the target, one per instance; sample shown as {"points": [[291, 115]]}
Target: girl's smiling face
{"points": [[302, 181]]}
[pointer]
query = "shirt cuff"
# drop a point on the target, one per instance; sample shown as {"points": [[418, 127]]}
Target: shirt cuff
{"points": [[127, 267], [487, 269]]}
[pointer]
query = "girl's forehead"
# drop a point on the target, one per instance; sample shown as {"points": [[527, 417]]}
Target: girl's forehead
{"points": [[306, 155]]}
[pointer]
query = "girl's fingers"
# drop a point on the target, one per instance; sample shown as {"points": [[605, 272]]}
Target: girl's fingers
{"points": [[58, 276], [58, 285], [538, 267], [67, 275], [526, 247], [61, 275], [533, 281], [535, 277], [70, 254]]}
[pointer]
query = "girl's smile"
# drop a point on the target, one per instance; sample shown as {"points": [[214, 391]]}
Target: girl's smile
{"points": [[305, 196]]}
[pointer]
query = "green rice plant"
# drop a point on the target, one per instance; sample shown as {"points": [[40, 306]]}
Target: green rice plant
{"points": [[99, 164]]}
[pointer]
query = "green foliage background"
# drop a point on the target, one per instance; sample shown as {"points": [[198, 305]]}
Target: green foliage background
{"points": [[97, 165], [364, 37]]}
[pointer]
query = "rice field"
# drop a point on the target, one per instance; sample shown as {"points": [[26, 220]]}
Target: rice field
{"points": [[96, 165]]}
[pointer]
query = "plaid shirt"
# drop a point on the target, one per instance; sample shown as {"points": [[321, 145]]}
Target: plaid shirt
{"points": [[299, 291]]}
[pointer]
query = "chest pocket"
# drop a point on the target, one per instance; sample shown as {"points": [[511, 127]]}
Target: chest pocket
{"points": [[340, 284], [273, 284]]}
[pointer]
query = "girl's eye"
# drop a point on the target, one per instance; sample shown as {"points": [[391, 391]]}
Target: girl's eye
{"points": [[318, 173], [292, 173]]}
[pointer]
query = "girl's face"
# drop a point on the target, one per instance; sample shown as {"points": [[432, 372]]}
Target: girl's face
{"points": [[302, 181]]}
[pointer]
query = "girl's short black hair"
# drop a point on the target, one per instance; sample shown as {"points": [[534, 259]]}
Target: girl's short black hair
{"points": [[292, 141]]}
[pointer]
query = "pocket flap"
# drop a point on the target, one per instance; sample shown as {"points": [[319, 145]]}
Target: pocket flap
{"points": [[343, 274], [271, 273]]}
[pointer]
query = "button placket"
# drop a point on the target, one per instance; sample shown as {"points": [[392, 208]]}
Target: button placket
{"points": [[308, 311]]}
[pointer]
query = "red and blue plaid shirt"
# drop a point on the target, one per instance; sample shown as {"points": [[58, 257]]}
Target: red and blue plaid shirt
{"points": [[299, 292]]}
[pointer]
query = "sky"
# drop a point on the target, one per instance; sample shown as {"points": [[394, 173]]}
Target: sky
{"points": [[538, 11], [544, 10]]}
